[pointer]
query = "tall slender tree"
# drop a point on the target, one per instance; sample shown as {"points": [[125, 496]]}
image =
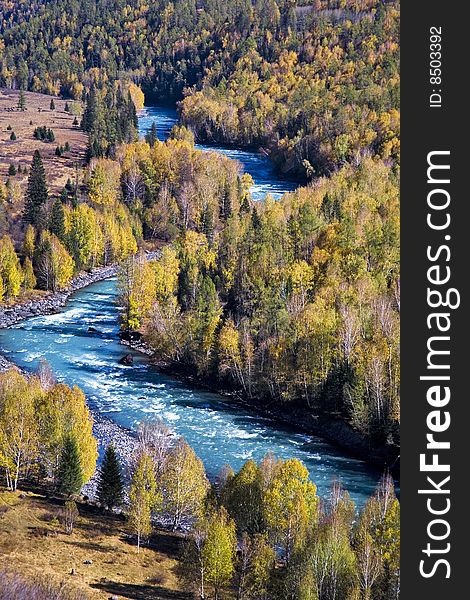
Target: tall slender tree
{"points": [[36, 193], [110, 485], [151, 136], [69, 473], [22, 101], [142, 498], [57, 219]]}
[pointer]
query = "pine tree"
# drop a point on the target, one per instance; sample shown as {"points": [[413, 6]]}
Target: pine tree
{"points": [[69, 473], [22, 101], [110, 485], [36, 193], [11, 170], [151, 138], [57, 219], [67, 107], [13, 136], [94, 123], [52, 105]]}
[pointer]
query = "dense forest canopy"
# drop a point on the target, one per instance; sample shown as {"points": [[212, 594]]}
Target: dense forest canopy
{"points": [[315, 82], [291, 301]]}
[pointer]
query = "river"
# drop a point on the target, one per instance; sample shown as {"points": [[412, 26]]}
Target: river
{"points": [[257, 165], [219, 432]]}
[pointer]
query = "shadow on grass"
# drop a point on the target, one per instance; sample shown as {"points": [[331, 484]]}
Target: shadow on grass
{"points": [[90, 546], [167, 543], [164, 542], [140, 592]]}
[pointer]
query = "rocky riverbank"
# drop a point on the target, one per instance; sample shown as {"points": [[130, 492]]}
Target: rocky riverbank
{"points": [[52, 302], [106, 432]]}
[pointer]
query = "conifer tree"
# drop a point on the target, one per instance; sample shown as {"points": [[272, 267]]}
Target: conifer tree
{"points": [[69, 473], [57, 219], [110, 485], [151, 137], [22, 101], [36, 193], [52, 105]]}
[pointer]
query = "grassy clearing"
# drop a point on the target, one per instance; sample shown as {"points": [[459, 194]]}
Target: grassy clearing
{"points": [[33, 542], [23, 124]]}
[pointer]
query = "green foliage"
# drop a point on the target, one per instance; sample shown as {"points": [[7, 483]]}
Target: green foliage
{"points": [[293, 301], [143, 498], [45, 430], [243, 498], [109, 119], [184, 485], [29, 281], [22, 101], [316, 87], [291, 505], [218, 551], [45, 134], [151, 136], [69, 473], [255, 568], [209, 559], [29, 241], [57, 220], [63, 413], [110, 485], [18, 425], [36, 193]]}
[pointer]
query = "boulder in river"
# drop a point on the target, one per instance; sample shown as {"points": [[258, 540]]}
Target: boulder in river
{"points": [[128, 359], [92, 330]]}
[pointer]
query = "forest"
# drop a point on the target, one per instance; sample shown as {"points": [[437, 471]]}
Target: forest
{"points": [[289, 302], [288, 305], [314, 82]]}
